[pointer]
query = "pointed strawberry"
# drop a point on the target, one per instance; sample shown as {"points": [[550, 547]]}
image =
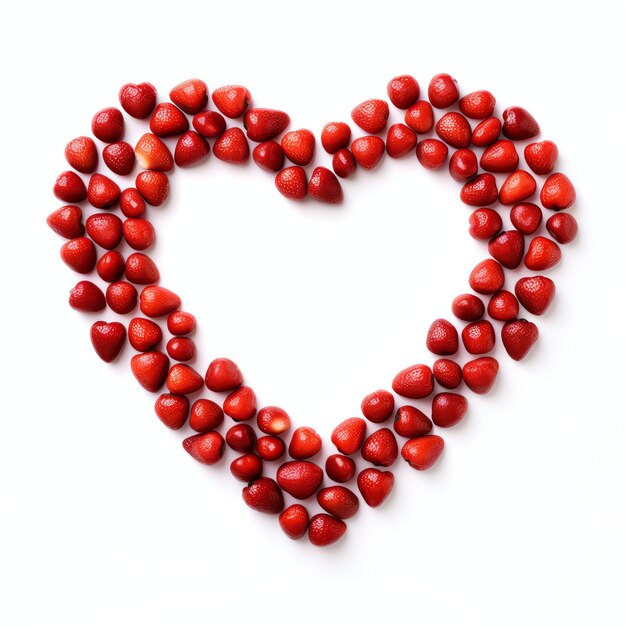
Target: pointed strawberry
{"points": [[172, 410], [518, 337], [443, 91], [141, 269], [349, 435], [487, 277], [400, 140], [463, 165], [110, 266], [121, 297], [411, 422], [264, 124], [241, 438], [107, 339], [119, 157], [368, 151], [108, 125], [340, 468], [102, 192], [422, 453], [154, 187], [448, 409], [487, 132], [526, 217], [542, 254], [447, 373], [371, 115], [325, 529], [81, 153], [264, 495], [519, 124], [190, 149], [150, 369], [541, 156], [484, 223], [380, 448], [299, 146], [477, 105], [153, 154], [223, 375], [335, 136], [508, 248], [205, 415], [79, 254], [269, 156], [375, 485], [563, 227], [138, 233], [480, 191], [557, 192], [419, 117], [207, 448], [232, 146], [294, 521], [183, 379], [442, 338], [131, 203], [344, 163], [168, 120], [324, 186], [431, 153], [232, 100], [69, 187], [480, 374], [339, 501], [191, 95], [305, 443], [454, 129], [67, 222], [415, 382], [105, 229], [273, 420], [300, 479], [403, 91], [87, 297], [500, 156], [291, 182], [503, 306], [378, 406], [479, 337], [144, 334], [138, 100], [156, 301], [535, 293], [209, 124], [518, 186], [240, 404]]}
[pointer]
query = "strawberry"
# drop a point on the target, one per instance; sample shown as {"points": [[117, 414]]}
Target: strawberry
{"points": [[294, 521], [264, 495], [371, 115], [154, 187], [479, 337], [442, 91], [377, 406], [141, 269], [403, 91], [232, 146], [270, 448], [232, 100], [415, 382], [422, 453], [156, 301], [299, 146], [508, 248], [368, 151], [526, 217], [557, 192], [247, 468], [463, 165], [138, 233], [542, 254], [223, 375], [477, 105], [480, 374], [487, 132], [273, 420], [432, 153], [519, 124], [335, 136], [349, 435], [209, 124], [487, 277], [535, 293], [375, 485], [172, 410], [500, 156], [191, 95], [324, 186], [108, 125], [380, 448], [181, 349], [344, 163], [484, 223], [264, 124], [305, 443], [138, 100], [240, 404], [517, 187], [69, 187], [181, 323], [119, 157], [190, 149], [269, 156], [480, 191], [468, 307], [291, 182], [107, 339], [102, 192], [300, 479], [541, 156], [400, 140], [241, 438], [340, 468], [419, 117], [325, 529], [338, 501], [411, 422], [207, 448], [563, 227], [87, 297], [153, 154], [105, 229], [131, 203], [144, 334], [150, 369], [205, 415], [168, 120], [81, 153], [447, 373], [503, 306], [442, 338], [79, 254], [183, 379], [121, 297], [110, 266], [518, 337], [67, 222], [454, 129]]}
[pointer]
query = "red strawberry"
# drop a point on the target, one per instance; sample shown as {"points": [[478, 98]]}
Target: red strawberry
{"points": [[67, 222], [415, 381], [138, 233], [503, 306], [156, 301], [172, 410], [517, 187], [463, 165], [380, 448], [479, 337], [526, 217], [518, 337], [291, 182], [110, 266], [443, 91], [454, 129], [400, 140], [207, 448], [107, 339], [168, 120], [108, 125], [338, 501], [542, 254], [480, 191], [442, 337], [301, 479], [79, 254], [487, 277], [232, 100], [131, 203], [183, 379], [500, 157], [138, 100], [371, 115], [105, 229], [299, 146], [181, 349], [535, 293], [264, 124], [241, 438], [181, 323], [557, 192], [349, 435], [468, 307], [432, 153], [264, 495], [377, 406], [335, 136], [480, 374], [487, 132], [419, 117], [223, 375], [368, 151], [375, 485], [240, 404], [205, 415], [340, 468], [121, 297], [81, 153], [563, 227], [150, 369], [154, 187], [69, 187], [324, 186], [325, 529], [477, 105], [519, 124], [541, 156], [209, 124], [273, 420], [119, 157], [232, 146], [305, 443], [190, 149], [153, 154], [102, 192], [294, 521], [270, 448], [411, 422], [422, 453], [403, 91], [87, 297], [269, 156], [144, 334], [344, 163], [484, 223], [191, 95], [141, 269], [508, 248], [447, 373]]}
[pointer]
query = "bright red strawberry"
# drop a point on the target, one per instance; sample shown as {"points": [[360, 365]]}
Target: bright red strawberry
{"points": [[432, 153], [484, 223], [247, 468], [340, 468], [69, 187], [111, 266], [380, 448], [558, 192], [375, 485], [487, 132], [305, 443], [563, 227], [172, 410], [223, 375], [205, 415], [105, 229], [335, 136], [108, 125], [153, 154], [541, 156], [138, 233], [102, 192], [299, 146], [480, 191], [264, 495], [155, 301], [403, 91], [324, 186], [141, 269], [542, 254], [121, 297], [181, 323], [291, 182], [503, 306], [508, 248], [144, 334], [190, 149], [526, 217], [191, 95], [487, 277], [67, 222], [107, 339], [79, 254], [81, 153], [119, 157], [232, 100], [181, 349], [338, 501], [209, 124], [154, 187], [232, 146], [87, 297], [378, 406], [300, 479], [371, 115], [240, 404], [411, 422], [500, 157], [344, 163], [415, 382], [419, 117], [138, 100], [270, 448], [518, 337], [349, 435], [368, 151], [468, 307], [168, 120], [131, 203], [207, 448], [447, 373], [241, 438], [480, 374], [400, 140], [442, 338], [517, 187], [273, 420], [454, 129], [443, 91], [535, 293], [183, 379], [463, 165], [477, 105], [519, 124], [265, 124], [479, 337], [325, 529], [150, 369], [294, 521], [269, 156], [422, 453]]}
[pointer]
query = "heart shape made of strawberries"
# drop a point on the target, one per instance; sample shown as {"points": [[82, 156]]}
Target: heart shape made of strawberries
{"points": [[444, 128]]}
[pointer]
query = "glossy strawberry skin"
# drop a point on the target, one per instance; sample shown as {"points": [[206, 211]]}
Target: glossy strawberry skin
{"points": [[339, 501], [349, 435], [463, 165], [121, 297], [269, 156], [431, 153], [270, 448], [191, 95], [181, 349], [557, 192], [305, 443], [79, 254], [335, 136], [443, 91], [535, 293], [232, 100], [415, 382], [168, 120], [105, 229], [265, 124], [368, 151], [518, 337], [325, 529], [299, 146], [87, 297], [518, 186], [294, 521], [81, 153], [442, 338], [503, 306], [340, 468], [403, 91], [526, 217], [300, 479], [181, 323], [324, 187], [468, 307], [487, 277], [454, 129], [447, 373], [209, 124], [241, 438], [69, 187], [223, 375], [67, 222], [377, 406], [107, 339], [542, 254], [375, 485], [247, 468], [119, 157], [479, 337], [479, 374], [143, 334], [484, 223], [172, 410], [477, 105], [380, 448], [264, 495], [273, 420], [191, 149], [240, 404], [138, 233], [400, 140], [486, 132], [291, 182], [563, 227], [141, 269], [448, 409], [154, 187], [541, 156], [183, 379], [108, 125], [500, 157], [480, 191], [519, 124], [371, 116], [419, 117], [102, 192], [153, 154], [411, 422], [344, 163], [156, 301], [232, 146], [138, 100], [205, 415], [508, 248], [150, 369], [422, 453]]}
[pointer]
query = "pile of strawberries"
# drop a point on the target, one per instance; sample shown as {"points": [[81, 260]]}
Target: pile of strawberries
{"points": [[93, 245]]}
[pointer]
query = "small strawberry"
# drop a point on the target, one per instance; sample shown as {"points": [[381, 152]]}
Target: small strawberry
{"points": [[541, 156], [141, 269], [484, 223], [232, 100], [526, 217], [299, 146], [69, 187], [377, 406], [344, 163], [518, 186], [107, 339], [518, 337], [339, 501], [273, 420], [79, 254], [400, 140], [150, 369], [519, 124], [240, 404], [111, 266], [81, 153], [324, 186], [340, 468], [368, 151], [269, 156], [241, 438], [181, 323], [487, 277], [131, 203], [138, 233], [153, 154], [300, 479], [102, 192], [294, 521], [503, 306], [181, 349], [422, 453], [480, 374], [183, 379], [477, 105], [232, 146], [500, 156], [508, 248], [305, 443], [463, 165], [105, 229], [291, 182], [415, 382], [557, 192], [154, 187], [270, 448], [264, 124], [172, 410], [335, 136], [442, 338], [325, 529], [87, 297], [247, 468], [431, 153], [563, 227], [138, 100], [454, 129], [156, 301], [119, 157], [375, 485], [371, 115], [487, 132], [144, 334], [481, 190], [209, 124], [205, 415], [403, 91], [411, 422], [223, 375], [419, 117], [349, 435], [67, 222], [168, 120], [207, 448], [542, 254], [468, 307], [447, 373], [108, 125], [535, 293], [191, 95], [121, 297], [479, 337], [443, 91], [264, 495], [190, 149]]}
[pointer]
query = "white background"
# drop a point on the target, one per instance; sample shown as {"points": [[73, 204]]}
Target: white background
{"points": [[105, 520]]}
